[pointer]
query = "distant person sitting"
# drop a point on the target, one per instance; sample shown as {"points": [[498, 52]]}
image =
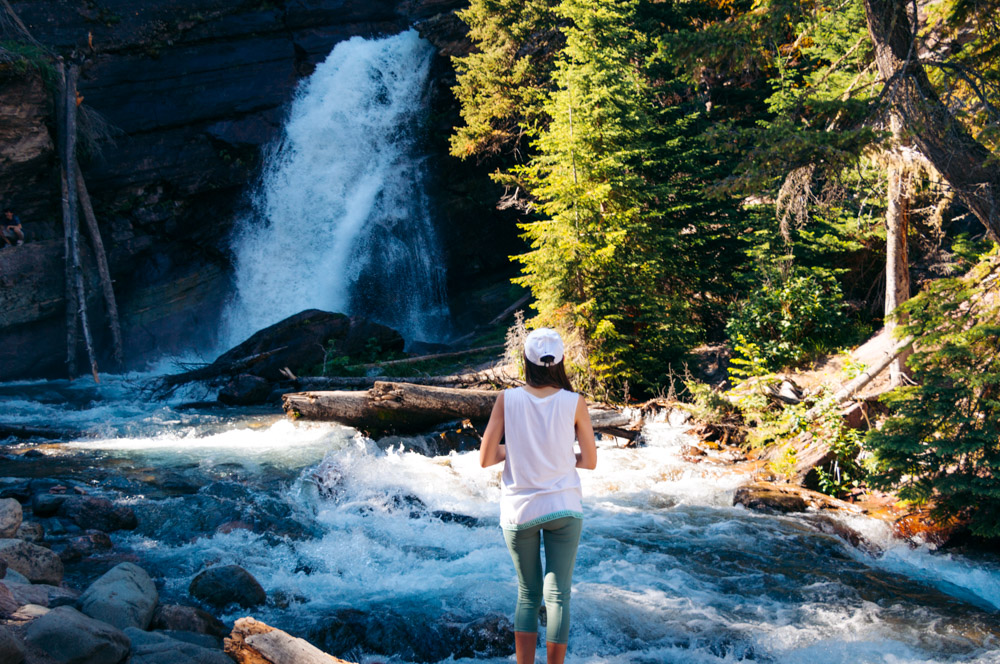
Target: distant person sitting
{"points": [[13, 234]]}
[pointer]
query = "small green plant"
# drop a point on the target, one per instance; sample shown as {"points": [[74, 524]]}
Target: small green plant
{"points": [[852, 368], [784, 465]]}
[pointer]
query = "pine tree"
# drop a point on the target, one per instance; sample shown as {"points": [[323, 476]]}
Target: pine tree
{"points": [[941, 443]]}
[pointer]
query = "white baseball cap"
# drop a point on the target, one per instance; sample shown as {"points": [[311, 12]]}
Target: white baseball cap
{"points": [[544, 343]]}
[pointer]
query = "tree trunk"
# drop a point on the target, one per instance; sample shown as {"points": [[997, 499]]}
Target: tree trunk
{"points": [[393, 407], [405, 408], [75, 272], [964, 162], [102, 268], [897, 265], [67, 145]]}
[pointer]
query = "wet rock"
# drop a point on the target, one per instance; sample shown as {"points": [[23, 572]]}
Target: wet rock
{"points": [[42, 594], [825, 523], [227, 584], [124, 596], [196, 638], [3, 568], [456, 436], [159, 648], [10, 517], [69, 636], [452, 517], [302, 342], [175, 617], [788, 498], [486, 638], [11, 648], [8, 603], [77, 548], [245, 390], [97, 513], [46, 504], [38, 564], [31, 531]]}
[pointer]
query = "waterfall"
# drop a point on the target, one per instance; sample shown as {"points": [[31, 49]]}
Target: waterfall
{"points": [[340, 220]]}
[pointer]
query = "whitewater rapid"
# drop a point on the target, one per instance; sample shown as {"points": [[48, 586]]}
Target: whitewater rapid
{"points": [[374, 550], [341, 220]]}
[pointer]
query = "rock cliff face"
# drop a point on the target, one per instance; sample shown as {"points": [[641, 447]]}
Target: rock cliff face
{"points": [[186, 94]]}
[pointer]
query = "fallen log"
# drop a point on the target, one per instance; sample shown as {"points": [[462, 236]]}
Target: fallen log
{"points": [[395, 407], [215, 370], [479, 378], [392, 407], [253, 642]]}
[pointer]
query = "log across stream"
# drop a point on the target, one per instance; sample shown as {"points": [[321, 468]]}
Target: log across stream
{"points": [[406, 408]]}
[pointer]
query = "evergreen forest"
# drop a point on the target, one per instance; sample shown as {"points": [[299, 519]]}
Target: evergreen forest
{"points": [[780, 178]]}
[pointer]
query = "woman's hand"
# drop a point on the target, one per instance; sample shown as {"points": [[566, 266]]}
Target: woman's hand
{"points": [[587, 457], [491, 452]]}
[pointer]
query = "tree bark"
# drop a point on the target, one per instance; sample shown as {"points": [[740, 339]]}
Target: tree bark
{"points": [[405, 408], [102, 268], [897, 265], [393, 407], [66, 149], [75, 272], [966, 164]]}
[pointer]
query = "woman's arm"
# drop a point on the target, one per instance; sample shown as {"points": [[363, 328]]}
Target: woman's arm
{"points": [[491, 451], [587, 457]]}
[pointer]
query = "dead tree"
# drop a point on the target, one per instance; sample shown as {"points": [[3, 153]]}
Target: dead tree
{"points": [[964, 162], [102, 267], [897, 263]]}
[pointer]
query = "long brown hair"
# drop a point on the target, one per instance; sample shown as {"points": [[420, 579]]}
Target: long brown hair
{"points": [[537, 375]]}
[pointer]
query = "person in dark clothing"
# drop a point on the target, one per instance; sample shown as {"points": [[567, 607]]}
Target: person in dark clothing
{"points": [[12, 233]]}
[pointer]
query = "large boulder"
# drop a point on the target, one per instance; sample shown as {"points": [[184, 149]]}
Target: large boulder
{"points": [[245, 390], [158, 648], [11, 648], [227, 584], [42, 594], [68, 636], [124, 596], [302, 342], [36, 563], [187, 619], [93, 512], [10, 517]]}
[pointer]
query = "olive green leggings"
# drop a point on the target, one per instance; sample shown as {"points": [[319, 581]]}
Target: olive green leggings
{"points": [[561, 536]]}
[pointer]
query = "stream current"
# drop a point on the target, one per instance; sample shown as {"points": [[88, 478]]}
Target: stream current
{"points": [[383, 550]]}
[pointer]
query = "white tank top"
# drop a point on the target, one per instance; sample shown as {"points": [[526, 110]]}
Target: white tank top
{"points": [[540, 482]]}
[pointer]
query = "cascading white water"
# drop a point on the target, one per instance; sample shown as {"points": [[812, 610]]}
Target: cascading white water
{"points": [[341, 219]]}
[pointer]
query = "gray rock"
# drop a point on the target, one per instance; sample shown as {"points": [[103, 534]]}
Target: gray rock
{"points": [[8, 603], [46, 504], [175, 617], [245, 390], [227, 584], [10, 517], [71, 637], [42, 594], [14, 576], [38, 564], [124, 597], [31, 531], [159, 648], [98, 513], [11, 648], [203, 640]]}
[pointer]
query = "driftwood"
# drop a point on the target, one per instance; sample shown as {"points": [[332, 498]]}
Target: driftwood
{"points": [[215, 370], [253, 642], [406, 408], [102, 267], [478, 378]]}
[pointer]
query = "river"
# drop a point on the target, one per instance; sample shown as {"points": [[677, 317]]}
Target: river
{"points": [[378, 549]]}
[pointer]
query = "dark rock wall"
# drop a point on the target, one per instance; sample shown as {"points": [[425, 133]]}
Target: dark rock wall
{"points": [[189, 92]]}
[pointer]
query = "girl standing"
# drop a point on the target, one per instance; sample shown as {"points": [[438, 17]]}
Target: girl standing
{"points": [[541, 495]]}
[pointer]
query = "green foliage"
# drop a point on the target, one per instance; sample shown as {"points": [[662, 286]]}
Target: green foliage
{"points": [[502, 86], [786, 319], [941, 443]]}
